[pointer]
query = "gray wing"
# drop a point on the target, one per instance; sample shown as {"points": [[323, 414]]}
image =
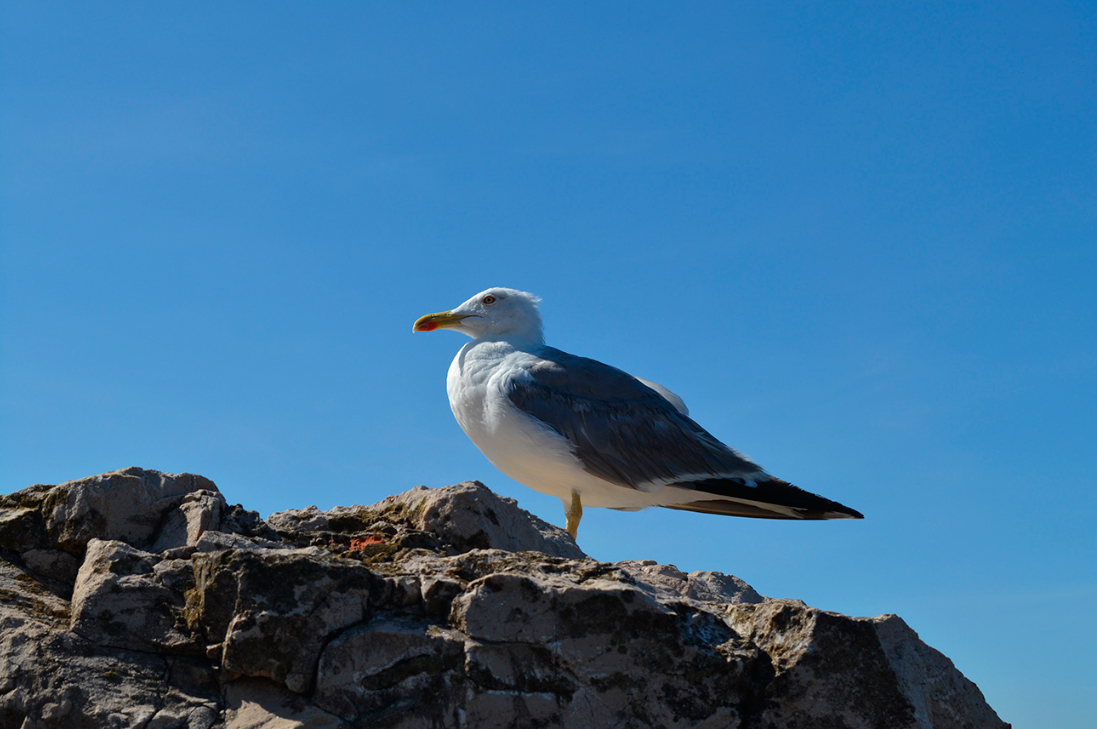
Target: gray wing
{"points": [[622, 430]]}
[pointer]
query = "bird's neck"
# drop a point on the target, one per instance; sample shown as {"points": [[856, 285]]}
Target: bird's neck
{"points": [[519, 339]]}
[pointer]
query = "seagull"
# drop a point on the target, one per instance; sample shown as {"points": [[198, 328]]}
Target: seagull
{"points": [[591, 434]]}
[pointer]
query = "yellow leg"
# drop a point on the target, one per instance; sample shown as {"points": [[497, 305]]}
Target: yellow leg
{"points": [[574, 514]]}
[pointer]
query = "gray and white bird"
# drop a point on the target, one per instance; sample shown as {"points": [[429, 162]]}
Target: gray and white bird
{"points": [[591, 434]]}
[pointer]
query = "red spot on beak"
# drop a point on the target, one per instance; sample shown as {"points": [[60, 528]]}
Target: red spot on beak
{"points": [[428, 326]]}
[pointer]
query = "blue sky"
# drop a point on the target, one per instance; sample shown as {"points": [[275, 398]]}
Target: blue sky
{"points": [[859, 241]]}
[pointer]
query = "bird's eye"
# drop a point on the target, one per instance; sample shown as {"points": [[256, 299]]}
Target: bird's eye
{"points": [[489, 299]]}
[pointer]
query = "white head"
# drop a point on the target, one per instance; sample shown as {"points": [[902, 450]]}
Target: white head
{"points": [[498, 314]]}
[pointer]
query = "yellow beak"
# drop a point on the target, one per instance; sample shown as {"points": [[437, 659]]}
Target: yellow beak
{"points": [[442, 320]]}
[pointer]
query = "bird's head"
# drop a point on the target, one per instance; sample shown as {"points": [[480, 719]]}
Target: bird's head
{"points": [[496, 313]]}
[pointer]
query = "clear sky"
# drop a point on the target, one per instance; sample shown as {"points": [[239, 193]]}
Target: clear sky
{"points": [[860, 240]]}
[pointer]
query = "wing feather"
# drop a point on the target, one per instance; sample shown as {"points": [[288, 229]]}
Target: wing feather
{"points": [[622, 430], [628, 433]]}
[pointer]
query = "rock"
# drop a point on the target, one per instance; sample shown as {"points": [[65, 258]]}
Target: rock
{"points": [[258, 704], [803, 644], [53, 567], [453, 519], [940, 695], [670, 583], [127, 505], [271, 611], [140, 599], [220, 541], [55, 679], [146, 509], [127, 598], [199, 512], [391, 671], [616, 652]]}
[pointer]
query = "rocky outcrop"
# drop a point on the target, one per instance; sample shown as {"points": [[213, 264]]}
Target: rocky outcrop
{"points": [[141, 600]]}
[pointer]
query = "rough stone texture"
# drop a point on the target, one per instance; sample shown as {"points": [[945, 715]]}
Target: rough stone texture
{"points": [[455, 519], [940, 695], [128, 505], [127, 598], [140, 599]]}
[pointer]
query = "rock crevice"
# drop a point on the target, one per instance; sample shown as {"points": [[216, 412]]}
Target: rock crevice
{"points": [[142, 600]]}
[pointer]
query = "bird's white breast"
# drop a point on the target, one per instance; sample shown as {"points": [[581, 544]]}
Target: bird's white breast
{"points": [[524, 448], [520, 446]]}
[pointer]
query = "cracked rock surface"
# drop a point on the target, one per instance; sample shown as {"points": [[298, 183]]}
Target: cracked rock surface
{"points": [[142, 600]]}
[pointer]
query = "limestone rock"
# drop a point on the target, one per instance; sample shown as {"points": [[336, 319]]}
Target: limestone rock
{"points": [[939, 694], [140, 599], [127, 598], [146, 509], [128, 505], [199, 512], [616, 652], [52, 678], [258, 704], [270, 612], [670, 583], [453, 519], [803, 644], [392, 671]]}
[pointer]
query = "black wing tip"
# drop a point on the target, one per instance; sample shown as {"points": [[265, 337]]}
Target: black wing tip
{"points": [[759, 511], [833, 512], [802, 504], [845, 513]]}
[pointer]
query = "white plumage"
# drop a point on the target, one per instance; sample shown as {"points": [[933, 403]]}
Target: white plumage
{"points": [[591, 434]]}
